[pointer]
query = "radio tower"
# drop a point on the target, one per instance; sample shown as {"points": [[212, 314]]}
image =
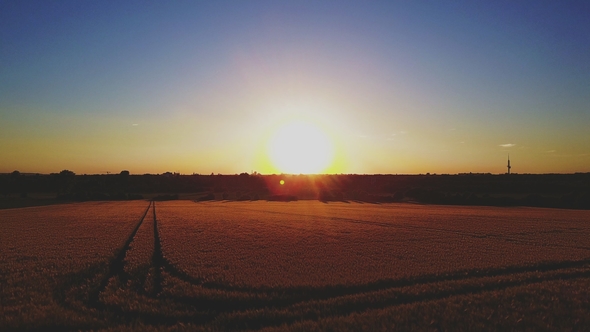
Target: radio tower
{"points": [[509, 167]]}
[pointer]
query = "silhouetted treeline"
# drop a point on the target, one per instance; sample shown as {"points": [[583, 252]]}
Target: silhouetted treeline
{"points": [[546, 190]]}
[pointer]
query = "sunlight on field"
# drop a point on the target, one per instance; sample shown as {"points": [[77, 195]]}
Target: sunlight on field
{"points": [[308, 243], [297, 265]]}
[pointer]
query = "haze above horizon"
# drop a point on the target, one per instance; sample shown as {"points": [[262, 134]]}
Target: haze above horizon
{"points": [[313, 87]]}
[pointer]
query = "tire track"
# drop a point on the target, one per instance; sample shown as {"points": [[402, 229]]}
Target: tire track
{"points": [[545, 271], [314, 293], [158, 260], [359, 303], [116, 265], [293, 300], [163, 264], [249, 313]]}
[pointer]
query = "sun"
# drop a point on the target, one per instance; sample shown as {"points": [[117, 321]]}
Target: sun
{"points": [[300, 148]]}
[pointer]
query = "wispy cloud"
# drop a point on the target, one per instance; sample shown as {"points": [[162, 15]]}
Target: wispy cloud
{"points": [[135, 124], [507, 145], [401, 132], [550, 151], [396, 133]]}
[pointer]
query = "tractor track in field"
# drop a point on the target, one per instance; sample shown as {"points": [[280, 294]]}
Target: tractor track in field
{"points": [[158, 260], [364, 297], [117, 264], [563, 270], [366, 301], [512, 276]]}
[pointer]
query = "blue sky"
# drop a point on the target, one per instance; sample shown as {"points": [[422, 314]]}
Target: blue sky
{"points": [[399, 87]]}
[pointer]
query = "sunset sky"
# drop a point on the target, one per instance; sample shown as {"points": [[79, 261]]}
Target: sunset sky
{"points": [[379, 87]]}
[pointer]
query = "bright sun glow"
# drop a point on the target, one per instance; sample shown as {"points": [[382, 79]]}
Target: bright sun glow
{"points": [[300, 147]]}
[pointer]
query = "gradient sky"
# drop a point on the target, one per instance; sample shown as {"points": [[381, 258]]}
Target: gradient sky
{"points": [[199, 87]]}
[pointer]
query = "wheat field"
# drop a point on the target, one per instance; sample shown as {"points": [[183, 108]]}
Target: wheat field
{"points": [[302, 265]]}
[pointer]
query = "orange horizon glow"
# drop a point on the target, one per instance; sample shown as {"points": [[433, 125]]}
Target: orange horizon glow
{"points": [[385, 88]]}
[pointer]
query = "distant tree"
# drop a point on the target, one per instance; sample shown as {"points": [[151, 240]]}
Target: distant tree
{"points": [[66, 180], [124, 180], [15, 174], [66, 173]]}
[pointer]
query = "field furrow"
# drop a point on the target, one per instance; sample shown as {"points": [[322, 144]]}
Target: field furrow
{"points": [[138, 272], [54, 258], [116, 266], [243, 245], [293, 266], [141, 247], [360, 303]]}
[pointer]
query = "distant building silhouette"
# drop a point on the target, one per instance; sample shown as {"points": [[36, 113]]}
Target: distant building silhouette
{"points": [[509, 167]]}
